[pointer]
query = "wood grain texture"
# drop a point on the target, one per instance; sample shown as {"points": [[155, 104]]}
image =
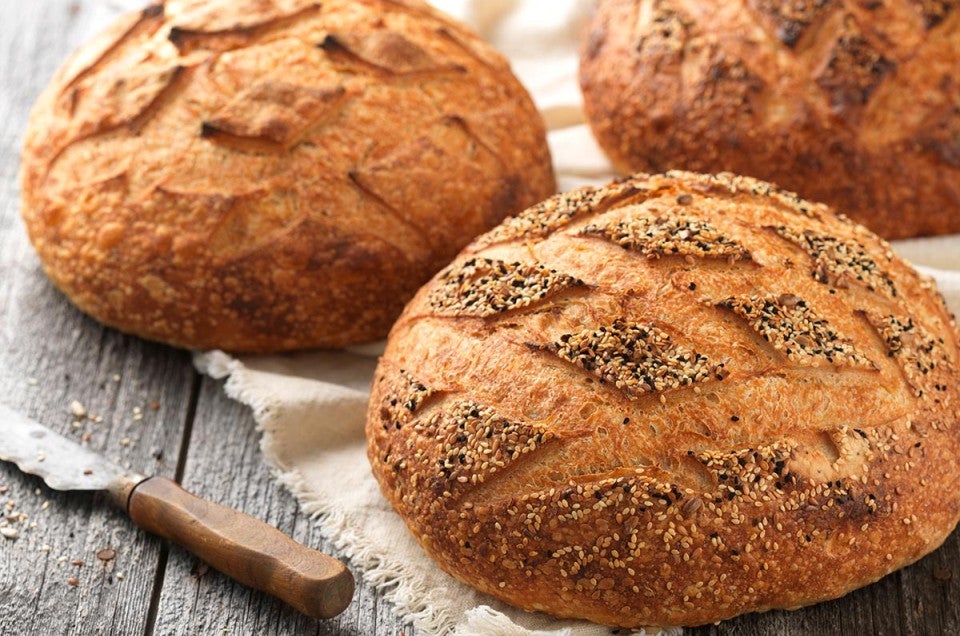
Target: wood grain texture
{"points": [[225, 461], [71, 357]]}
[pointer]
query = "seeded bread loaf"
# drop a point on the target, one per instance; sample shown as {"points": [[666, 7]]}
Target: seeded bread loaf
{"points": [[669, 401], [271, 175], [856, 104]]}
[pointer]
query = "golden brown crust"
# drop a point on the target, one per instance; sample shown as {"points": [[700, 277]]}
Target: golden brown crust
{"points": [[259, 176], [750, 404], [850, 103]]}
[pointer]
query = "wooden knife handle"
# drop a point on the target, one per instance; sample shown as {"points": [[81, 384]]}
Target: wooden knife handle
{"points": [[245, 549]]}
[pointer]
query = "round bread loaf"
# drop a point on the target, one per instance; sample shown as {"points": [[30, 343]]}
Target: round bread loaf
{"points": [[856, 104], [669, 401], [272, 175]]}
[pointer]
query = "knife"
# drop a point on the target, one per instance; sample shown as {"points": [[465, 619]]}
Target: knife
{"points": [[245, 549]]}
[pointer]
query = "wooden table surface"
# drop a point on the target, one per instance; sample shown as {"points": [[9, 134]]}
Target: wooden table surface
{"points": [[154, 413]]}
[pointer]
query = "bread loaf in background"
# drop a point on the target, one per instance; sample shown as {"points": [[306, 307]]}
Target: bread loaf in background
{"points": [[273, 175], [856, 104], [669, 401]]}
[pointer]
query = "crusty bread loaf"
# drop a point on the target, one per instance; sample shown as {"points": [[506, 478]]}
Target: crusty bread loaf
{"points": [[856, 104], [269, 175], [669, 401]]}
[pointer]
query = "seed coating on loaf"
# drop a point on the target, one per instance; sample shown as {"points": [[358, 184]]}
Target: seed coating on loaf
{"points": [[918, 353], [672, 441], [637, 359], [470, 443], [792, 327], [669, 235], [486, 286], [260, 176], [838, 263], [560, 209]]}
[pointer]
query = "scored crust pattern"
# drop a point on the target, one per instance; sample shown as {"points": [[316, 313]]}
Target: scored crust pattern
{"points": [[756, 86], [273, 175], [790, 325], [637, 359], [685, 439], [669, 235], [840, 262], [485, 287]]}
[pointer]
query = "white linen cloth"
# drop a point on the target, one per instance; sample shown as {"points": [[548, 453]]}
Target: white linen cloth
{"points": [[311, 406]]}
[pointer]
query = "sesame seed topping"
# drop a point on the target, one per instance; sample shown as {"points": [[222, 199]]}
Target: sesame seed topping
{"points": [[635, 358], [918, 353], [794, 329], [838, 263], [669, 234], [557, 211], [403, 400], [484, 287], [471, 442]]}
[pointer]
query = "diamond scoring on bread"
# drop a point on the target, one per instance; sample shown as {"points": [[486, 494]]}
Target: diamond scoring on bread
{"points": [[468, 443], [637, 359], [918, 353], [790, 325], [485, 287], [784, 477], [840, 262], [672, 234]]}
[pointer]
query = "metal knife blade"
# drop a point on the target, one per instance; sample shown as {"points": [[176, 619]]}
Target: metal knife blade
{"points": [[238, 545], [61, 463]]}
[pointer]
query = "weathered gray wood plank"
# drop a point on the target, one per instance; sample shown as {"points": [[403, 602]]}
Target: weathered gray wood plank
{"points": [[224, 463], [50, 355]]}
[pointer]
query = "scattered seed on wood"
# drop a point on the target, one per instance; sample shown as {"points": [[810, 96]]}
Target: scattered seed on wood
{"points": [[74, 581], [10, 533], [106, 554], [87, 471], [78, 410], [77, 563]]}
